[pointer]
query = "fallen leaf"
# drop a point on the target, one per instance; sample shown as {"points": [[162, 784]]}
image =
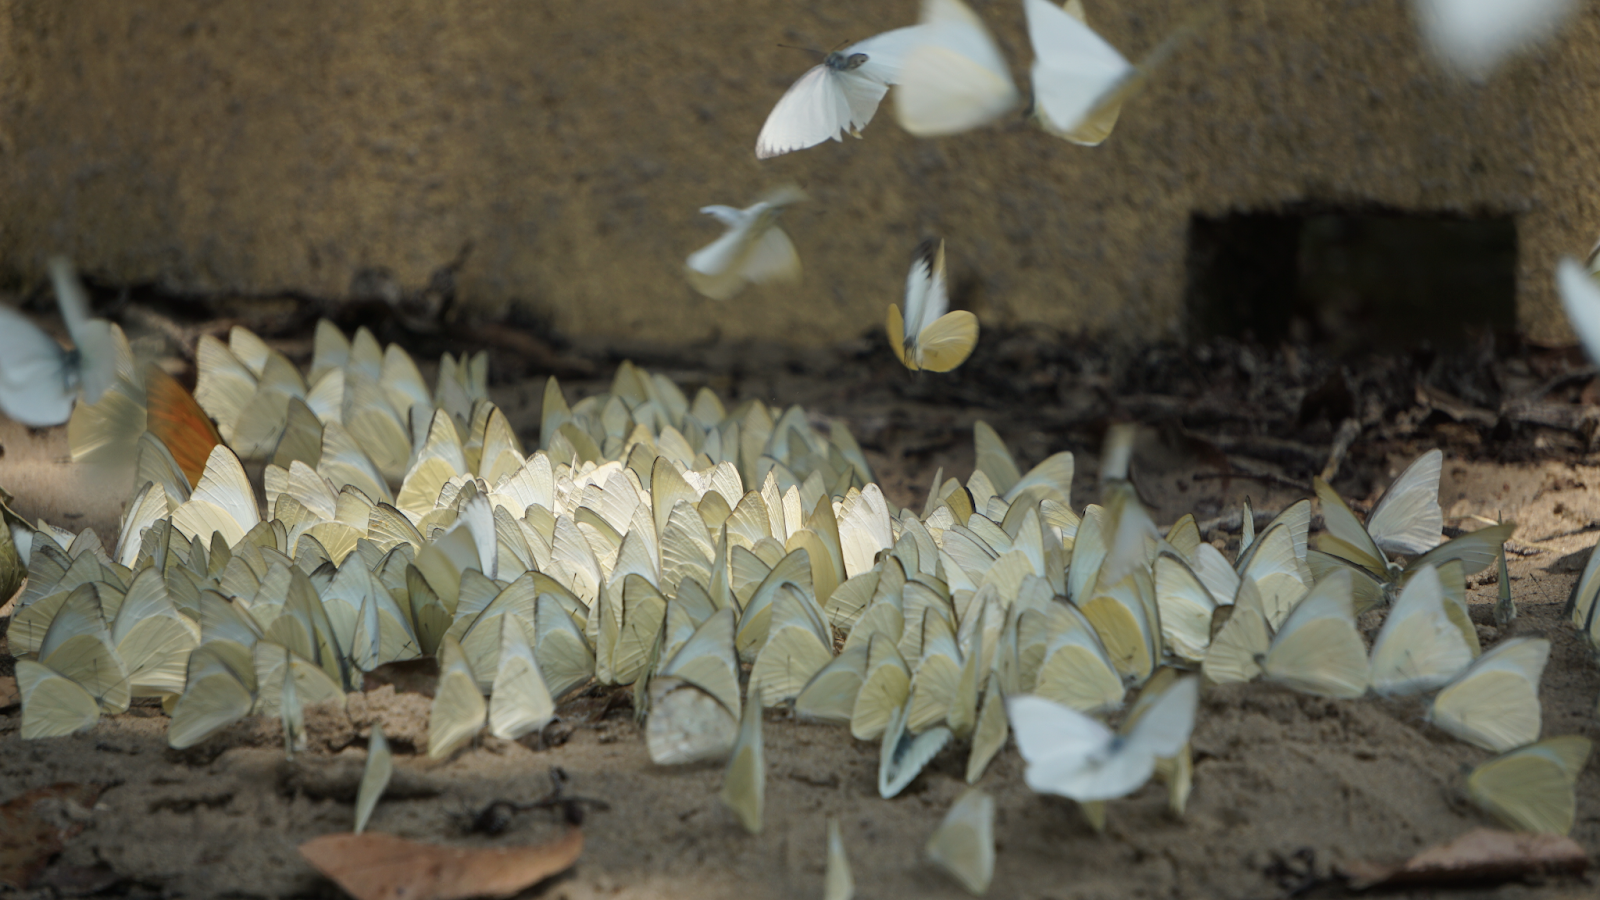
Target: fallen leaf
{"points": [[373, 866], [34, 827], [1481, 855]]}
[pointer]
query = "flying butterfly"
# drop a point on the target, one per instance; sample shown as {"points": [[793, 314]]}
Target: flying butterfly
{"points": [[837, 96], [753, 249], [38, 379], [953, 78], [928, 337]]}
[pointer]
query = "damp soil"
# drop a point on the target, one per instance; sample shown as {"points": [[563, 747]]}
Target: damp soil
{"points": [[1286, 787]]}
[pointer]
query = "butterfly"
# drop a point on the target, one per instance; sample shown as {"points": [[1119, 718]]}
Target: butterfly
{"points": [[1531, 788], [753, 249], [1071, 754], [172, 415], [1580, 297], [1474, 35], [954, 78], [928, 337], [963, 845], [38, 379], [1079, 80], [374, 776], [744, 781], [839, 95]]}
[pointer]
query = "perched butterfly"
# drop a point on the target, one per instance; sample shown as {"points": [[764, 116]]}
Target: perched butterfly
{"points": [[839, 95], [172, 415], [928, 337], [38, 379], [754, 249]]}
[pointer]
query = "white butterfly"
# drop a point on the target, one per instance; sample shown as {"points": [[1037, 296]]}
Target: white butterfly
{"points": [[1071, 754], [837, 96], [38, 379], [1474, 35], [754, 248], [954, 78], [928, 337], [1580, 297], [1075, 73]]}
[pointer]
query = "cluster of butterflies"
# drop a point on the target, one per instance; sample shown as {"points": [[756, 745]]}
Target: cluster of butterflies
{"points": [[996, 610]]}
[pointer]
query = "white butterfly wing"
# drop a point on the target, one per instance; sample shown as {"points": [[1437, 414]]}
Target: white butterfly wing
{"points": [[886, 53], [33, 367], [1473, 35], [1166, 725], [1073, 69], [954, 79], [813, 110], [772, 258], [1056, 741], [1408, 519], [918, 281], [1580, 297]]}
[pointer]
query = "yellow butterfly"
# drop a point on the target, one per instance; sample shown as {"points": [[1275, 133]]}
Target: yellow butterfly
{"points": [[928, 337]]}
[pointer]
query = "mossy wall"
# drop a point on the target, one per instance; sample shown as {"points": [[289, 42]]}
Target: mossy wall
{"points": [[291, 146]]}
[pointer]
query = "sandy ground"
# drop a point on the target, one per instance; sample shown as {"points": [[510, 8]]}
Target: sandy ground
{"points": [[1279, 777]]}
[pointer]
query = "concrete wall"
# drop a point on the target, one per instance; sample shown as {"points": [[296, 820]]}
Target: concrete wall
{"points": [[290, 145]]}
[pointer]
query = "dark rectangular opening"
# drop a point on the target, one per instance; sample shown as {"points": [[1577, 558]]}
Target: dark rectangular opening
{"points": [[1352, 280]]}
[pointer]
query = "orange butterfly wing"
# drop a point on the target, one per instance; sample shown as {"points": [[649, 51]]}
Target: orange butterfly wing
{"points": [[172, 415]]}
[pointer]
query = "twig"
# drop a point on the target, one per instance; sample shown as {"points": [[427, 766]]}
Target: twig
{"points": [[1348, 431]]}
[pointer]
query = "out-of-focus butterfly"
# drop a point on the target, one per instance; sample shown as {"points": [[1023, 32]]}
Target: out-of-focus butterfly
{"points": [[38, 379], [954, 78], [753, 250]]}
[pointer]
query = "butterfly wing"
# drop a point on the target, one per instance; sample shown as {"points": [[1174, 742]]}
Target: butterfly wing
{"points": [[954, 79], [1580, 297], [1074, 70], [1408, 520], [948, 341], [813, 110], [33, 373]]}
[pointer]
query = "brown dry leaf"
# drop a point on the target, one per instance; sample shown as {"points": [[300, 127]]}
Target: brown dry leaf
{"points": [[1480, 855], [35, 825], [9, 695], [375, 866]]}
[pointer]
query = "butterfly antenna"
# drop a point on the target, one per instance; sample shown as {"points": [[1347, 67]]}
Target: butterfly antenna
{"points": [[812, 50]]}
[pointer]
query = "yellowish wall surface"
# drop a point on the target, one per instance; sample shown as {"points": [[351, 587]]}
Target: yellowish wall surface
{"points": [[287, 146]]}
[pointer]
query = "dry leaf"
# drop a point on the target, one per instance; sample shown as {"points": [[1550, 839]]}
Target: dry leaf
{"points": [[35, 825], [373, 866], [9, 695], [1480, 855]]}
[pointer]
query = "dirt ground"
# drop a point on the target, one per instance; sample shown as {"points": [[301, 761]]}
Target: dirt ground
{"points": [[1286, 787]]}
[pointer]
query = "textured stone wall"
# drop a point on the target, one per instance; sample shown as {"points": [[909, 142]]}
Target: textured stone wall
{"points": [[291, 145]]}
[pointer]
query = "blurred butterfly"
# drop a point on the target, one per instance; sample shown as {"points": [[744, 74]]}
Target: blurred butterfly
{"points": [[1079, 80], [840, 95], [1580, 297], [753, 249], [1071, 754], [1474, 35], [38, 379], [954, 78], [928, 337]]}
